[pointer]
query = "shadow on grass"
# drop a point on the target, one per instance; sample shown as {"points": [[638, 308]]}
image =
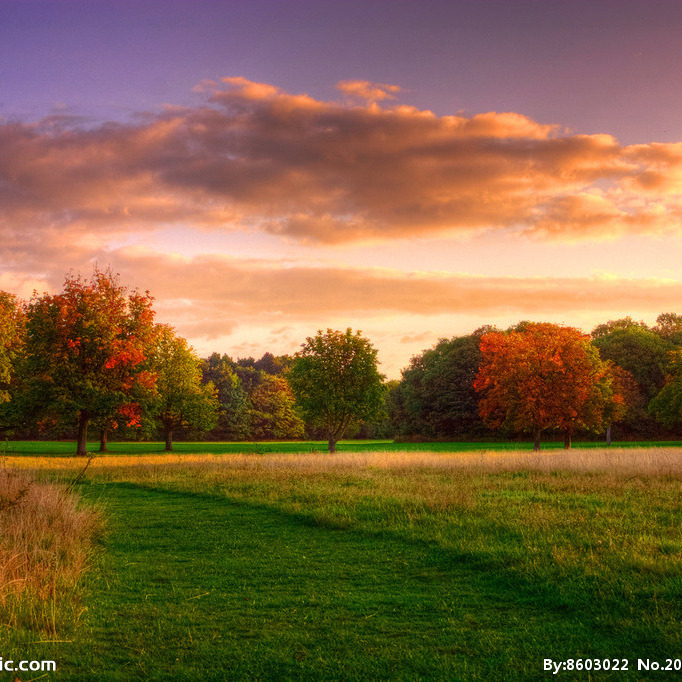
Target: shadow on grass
{"points": [[496, 575]]}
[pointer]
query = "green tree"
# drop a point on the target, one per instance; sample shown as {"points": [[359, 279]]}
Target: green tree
{"points": [[335, 380], [645, 355], [181, 399], [437, 395], [12, 354], [667, 405], [640, 351], [85, 351], [234, 404], [271, 364], [622, 324]]}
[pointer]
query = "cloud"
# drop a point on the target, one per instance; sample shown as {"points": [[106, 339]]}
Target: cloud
{"points": [[416, 338], [210, 296], [370, 92], [251, 156]]}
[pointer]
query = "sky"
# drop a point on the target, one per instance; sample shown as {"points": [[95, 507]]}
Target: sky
{"points": [[412, 169]]}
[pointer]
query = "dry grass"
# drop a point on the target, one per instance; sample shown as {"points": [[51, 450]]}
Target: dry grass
{"points": [[655, 461], [45, 542], [632, 461]]}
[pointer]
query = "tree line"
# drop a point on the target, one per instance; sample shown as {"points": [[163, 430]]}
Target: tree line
{"points": [[92, 358], [623, 379]]}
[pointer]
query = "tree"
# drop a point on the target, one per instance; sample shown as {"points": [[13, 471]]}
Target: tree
{"points": [[666, 406], [669, 327], [622, 324], [437, 395], [335, 380], [271, 364], [272, 413], [645, 355], [541, 376], [640, 351], [234, 404], [13, 410], [627, 398], [12, 340], [85, 351], [181, 399]]}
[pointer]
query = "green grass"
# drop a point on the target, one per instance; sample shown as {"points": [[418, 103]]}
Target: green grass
{"points": [[68, 448], [374, 567]]}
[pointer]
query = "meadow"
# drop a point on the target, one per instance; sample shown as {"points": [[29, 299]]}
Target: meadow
{"points": [[396, 565], [68, 448]]}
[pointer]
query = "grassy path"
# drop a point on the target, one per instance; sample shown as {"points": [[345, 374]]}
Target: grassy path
{"points": [[195, 586], [198, 587]]}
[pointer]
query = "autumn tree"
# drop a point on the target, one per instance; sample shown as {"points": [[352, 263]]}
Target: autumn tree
{"points": [[12, 346], [541, 376], [85, 351], [272, 410], [335, 380], [181, 398], [669, 327], [627, 400]]}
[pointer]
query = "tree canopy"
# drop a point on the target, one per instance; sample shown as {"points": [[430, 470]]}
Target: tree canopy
{"points": [[273, 415], [542, 376], [181, 399], [437, 395], [85, 350], [336, 380]]}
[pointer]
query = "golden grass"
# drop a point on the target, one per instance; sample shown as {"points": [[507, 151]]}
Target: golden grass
{"points": [[657, 461], [412, 484], [45, 543]]}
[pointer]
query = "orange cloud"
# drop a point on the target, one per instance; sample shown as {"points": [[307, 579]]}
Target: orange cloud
{"points": [[255, 157], [371, 92], [208, 296]]}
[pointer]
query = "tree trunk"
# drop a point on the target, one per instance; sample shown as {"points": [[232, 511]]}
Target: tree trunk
{"points": [[169, 440], [608, 434], [83, 421], [332, 445], [567, 439], [536, 441], [103, 437]]}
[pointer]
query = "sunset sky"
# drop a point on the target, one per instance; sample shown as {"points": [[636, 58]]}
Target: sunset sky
{"points": [[411, 169]]}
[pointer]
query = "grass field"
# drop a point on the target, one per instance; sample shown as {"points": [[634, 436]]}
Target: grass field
{"points": [[372, 565], [68, 448]]}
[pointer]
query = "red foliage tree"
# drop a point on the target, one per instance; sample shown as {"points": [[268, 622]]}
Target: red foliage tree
{"points": [[542, 376], [86, 349]]}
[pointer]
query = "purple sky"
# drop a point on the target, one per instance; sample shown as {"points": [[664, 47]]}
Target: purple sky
{"points": [[597, 66], [535, 188]]}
